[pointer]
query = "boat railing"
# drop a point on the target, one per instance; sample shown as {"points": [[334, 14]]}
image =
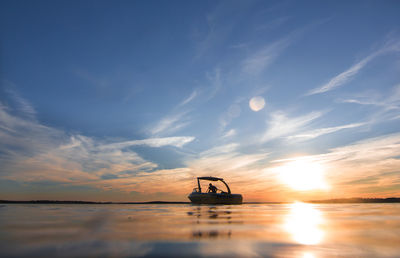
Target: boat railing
{"points": [[196, 190]]}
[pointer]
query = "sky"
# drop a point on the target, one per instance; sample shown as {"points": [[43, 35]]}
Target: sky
{"points": [[132, 100]]}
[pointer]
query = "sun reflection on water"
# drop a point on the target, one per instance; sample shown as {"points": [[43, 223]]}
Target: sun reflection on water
{"points": [[308, 255], [303, 223]]}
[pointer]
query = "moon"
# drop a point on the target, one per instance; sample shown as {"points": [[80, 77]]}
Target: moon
{"points": [[257, 103]]}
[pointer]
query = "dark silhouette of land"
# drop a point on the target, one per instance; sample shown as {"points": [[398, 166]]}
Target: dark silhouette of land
{"points": [[343, 200], [358, 200], [85, 202]]}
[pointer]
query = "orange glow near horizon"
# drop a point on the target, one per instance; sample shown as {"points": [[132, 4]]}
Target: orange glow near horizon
{"points": [[303, 175]]}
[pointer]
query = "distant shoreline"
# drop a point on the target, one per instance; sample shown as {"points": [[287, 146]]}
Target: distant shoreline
{"points": [[359, 200], [89, 202], [343, 200], [86, 202]]}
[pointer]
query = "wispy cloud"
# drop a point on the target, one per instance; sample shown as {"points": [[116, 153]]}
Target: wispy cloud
{"points": [[322, 131], [177, 118], [280, 125], [369, 157], [350, 73], [187, 100], [21, 104], [387, 105], [171, 124], [80, 160], [24, 134], [229, 133], [30, 151], [215, 82], [232, 113], [367, 150], [391, 101], [376, 157], [152, 142], [218, 150], [343, 77], [156, 182], [261, 59], [219, 24]]}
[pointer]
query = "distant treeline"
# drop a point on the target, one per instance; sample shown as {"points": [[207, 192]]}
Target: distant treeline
{"points": [[345, 200], [86, 202], [359, 200]]}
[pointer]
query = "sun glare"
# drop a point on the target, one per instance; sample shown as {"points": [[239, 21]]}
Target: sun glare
{"points": [[303, 175]]}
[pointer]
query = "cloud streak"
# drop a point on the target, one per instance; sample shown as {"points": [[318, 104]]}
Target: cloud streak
{"points": [[170, 124], [30, 151], [230, 133], [152, 142], [386, 106], [192, 96], [176, 120], [322, 131], [219, 22], [261, 59], [280, 125], [215, 81], [376, 158], [389, 102], [350, 73]]}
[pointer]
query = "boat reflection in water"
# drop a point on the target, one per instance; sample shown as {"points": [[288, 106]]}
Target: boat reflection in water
{"points": [[210, 222], [304, 222]]}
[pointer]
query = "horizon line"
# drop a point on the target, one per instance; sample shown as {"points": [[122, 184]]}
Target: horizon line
{"points": [[337, 200]]}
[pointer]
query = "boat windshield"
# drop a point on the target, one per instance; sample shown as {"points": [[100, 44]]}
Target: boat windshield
{"points": [[213, 187]]}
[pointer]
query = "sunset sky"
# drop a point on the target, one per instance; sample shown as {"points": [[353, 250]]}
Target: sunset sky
{"points": [[132, 100]]}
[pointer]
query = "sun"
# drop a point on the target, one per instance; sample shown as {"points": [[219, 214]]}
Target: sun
{"points": [[303, 175]]}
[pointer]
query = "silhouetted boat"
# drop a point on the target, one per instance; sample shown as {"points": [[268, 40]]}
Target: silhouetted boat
{"points": [[214, 197]]}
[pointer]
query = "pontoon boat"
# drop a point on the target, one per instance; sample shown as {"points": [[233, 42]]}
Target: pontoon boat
{"points": [[215, 197]]}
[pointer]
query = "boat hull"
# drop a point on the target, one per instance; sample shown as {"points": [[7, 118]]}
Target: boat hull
{"points": [[215, 198]]}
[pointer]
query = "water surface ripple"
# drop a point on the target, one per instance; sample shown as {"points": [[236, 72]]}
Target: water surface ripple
{"points": [[153, 230]]}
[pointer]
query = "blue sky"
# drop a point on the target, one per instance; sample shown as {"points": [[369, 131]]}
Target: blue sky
{"points": [[131, 100]]}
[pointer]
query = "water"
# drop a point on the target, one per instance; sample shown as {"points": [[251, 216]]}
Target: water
{"points": [[250, 230]]}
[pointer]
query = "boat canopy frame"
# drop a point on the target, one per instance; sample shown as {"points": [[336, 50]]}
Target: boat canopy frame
{"points": [[210, 178]]}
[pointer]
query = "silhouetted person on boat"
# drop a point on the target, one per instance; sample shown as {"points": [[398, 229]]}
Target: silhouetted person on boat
{"points": [[212, 189]]}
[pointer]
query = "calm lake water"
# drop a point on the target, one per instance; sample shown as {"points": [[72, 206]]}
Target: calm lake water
{"points": [[249, 230]]}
